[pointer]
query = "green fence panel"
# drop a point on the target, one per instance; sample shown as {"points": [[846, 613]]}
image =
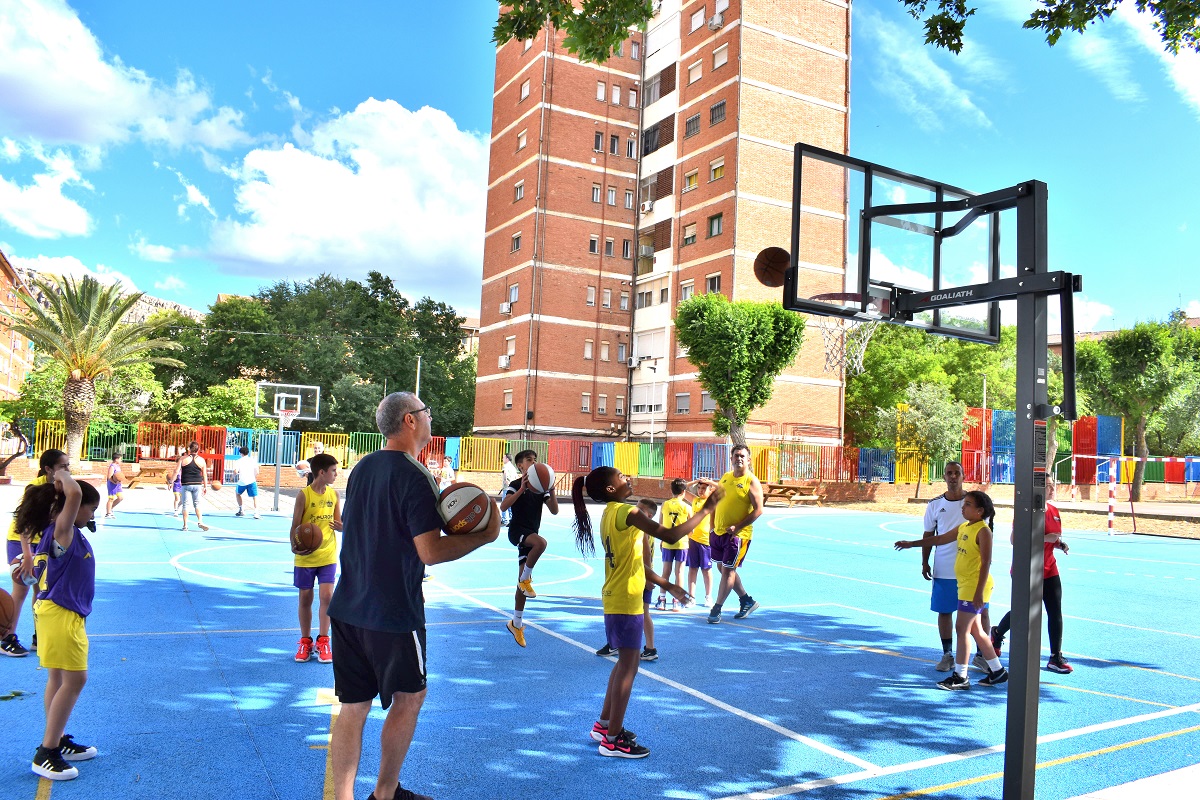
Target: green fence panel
{"points": [[1155, 472], [650, 460], [104, 437], [541, 448], [363, 443]]}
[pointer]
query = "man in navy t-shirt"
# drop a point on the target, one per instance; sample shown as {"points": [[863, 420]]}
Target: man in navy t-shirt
{"points": [[391, 531]]}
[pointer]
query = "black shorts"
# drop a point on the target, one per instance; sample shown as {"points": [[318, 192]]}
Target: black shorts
{"points": [[517, 540], [369, 663]]}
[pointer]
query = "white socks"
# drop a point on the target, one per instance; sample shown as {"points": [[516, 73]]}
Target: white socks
{"points": [[526, 573]]}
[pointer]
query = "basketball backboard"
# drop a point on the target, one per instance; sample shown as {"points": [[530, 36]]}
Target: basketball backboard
{"points": [[271, 398], [862, 230]]}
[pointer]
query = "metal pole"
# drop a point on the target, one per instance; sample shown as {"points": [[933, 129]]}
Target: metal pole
{"points": [[417, 390], [278, 460], [1029, 502]]}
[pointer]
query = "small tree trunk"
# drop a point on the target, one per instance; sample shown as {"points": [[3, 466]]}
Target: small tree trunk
{"points": [[1052, 447], [921, 467], [1139, 468], [79, 401], [737, 430]]}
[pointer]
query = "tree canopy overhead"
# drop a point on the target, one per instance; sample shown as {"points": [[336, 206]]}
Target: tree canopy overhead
{"points": [[593, 30]]}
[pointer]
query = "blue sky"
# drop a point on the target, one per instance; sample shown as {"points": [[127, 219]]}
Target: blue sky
{"points": [[194, 149]]}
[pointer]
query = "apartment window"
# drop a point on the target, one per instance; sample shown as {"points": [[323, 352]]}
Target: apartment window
{"points": [[600, 90], [620, 49], [614, 145], [697, 20], [721, 56], [591, 295], [616, 95], [707, 406], [716, 113], [621, 353], [624, 301], [691, 180], [620, 408], [528, 43], [716, 169], [507, 399], [587, 349], [653, 91], [598, 142], [612, 195], [633, 98], [694, 72], [609, 246], [692, 126], [585, 403], [686, 290], [631, 148], [604, 351], [602, 404], [595, 193], [594, 244], [518, 191], [606, 298], [635, 50], [516, 242], [521, 140], [510, 345], [712, 284], [721, 6], [513, 292], [715, 225], [689, 234], [627, 249], [683, 404], [629, 198], [662, 295], [645, 299], [650, 139]]}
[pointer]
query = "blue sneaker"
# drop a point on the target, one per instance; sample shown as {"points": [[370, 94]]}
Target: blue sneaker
{"points": [[748, 607], [714, 616]]}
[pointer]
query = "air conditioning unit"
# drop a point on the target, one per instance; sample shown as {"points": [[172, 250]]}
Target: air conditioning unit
{"points": [[646, 250], [505, 361], [657, 6], [716, 22], [647, 206], [506, 308], [633, 362]]}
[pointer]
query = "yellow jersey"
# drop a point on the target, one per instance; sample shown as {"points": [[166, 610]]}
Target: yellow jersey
{"points": [[318, 509], [675, 512], [968, 562], [13, 536], [701, 532], [735, 506], [624, 569]]}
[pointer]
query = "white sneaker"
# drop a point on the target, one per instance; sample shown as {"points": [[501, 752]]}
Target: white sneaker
{"points": [[946, 664], [256, 515]]}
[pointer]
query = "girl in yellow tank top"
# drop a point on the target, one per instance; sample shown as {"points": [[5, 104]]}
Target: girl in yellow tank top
{"points": [[622, 529], [972, 568]]}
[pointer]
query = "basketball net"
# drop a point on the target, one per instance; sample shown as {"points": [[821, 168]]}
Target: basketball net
{"points": [[846, 342], [286, 417]]}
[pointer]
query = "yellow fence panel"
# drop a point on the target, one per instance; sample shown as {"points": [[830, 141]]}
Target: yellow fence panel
{"points": [[481, 455], [52, 434], [625, 457], [335, 444], [765, 462], [908, 468]]}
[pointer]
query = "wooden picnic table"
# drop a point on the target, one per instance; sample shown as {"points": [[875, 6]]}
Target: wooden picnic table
{"points": [[793, 493], [150, 468]]}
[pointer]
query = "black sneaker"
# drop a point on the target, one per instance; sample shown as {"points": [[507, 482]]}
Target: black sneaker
{"points": [[649, 654], [714, 616], [747, 607], [995, 678], [1059, 664], [49, 764], [33, 644], [623, 747], [606, 651], [73, 751], [955, 683], [10, 646], [404, 794], [997, 640]]}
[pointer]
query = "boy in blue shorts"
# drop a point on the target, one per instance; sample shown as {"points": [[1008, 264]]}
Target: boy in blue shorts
{"points": [[317, 504], [247, 479]]}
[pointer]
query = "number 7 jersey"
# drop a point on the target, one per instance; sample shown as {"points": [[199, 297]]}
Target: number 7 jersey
{"points": [[624, 570]]}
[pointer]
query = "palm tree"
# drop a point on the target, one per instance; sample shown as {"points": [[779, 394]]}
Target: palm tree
{"points": [[80, 326]]}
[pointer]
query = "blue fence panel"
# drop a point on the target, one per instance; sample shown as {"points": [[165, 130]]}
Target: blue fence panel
{"points": [[709, 460], [603, 454], [1103, 469], [236, 438], [1108, 436], [266, 441], [1191, 470], [29, 428], [1004, 463], [876, 466], [1004, 430], [453, 445]]}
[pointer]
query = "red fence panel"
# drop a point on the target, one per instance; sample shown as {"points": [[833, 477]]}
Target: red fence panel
{"points": [[570, 455], [677, 460], [1173, 471], [436, 449], [1083, 441]]}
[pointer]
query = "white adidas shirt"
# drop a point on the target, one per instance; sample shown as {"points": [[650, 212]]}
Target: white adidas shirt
{"points": [[943, 516]]}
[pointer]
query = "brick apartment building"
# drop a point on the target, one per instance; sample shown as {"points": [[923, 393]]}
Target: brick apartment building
{"points": [[618, 190], [16, 352]]}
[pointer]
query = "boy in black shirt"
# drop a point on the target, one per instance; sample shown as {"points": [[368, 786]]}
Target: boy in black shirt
{"points": [[526, 505]]}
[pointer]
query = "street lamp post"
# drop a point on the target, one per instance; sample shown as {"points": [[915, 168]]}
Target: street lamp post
{"points": [[417, 391]]}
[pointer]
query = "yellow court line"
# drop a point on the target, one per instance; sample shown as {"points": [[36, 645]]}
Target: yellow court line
{"points": [[258, 630], [1065, 760], [43, 790]]}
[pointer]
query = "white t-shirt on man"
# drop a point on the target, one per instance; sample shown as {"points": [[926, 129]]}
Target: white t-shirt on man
{"points": [[247, 470], [943, 516]]}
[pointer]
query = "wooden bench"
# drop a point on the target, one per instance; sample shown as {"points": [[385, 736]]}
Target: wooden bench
{"points": [[150, 468], [792, 492]]}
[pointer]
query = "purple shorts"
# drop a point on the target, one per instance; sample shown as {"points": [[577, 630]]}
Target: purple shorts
{"points": [[673, 555], [303, 577], [698, 555], [14, 550], [725, 547], [624, 631], [114, 487], [648, 595], [967, 607]]}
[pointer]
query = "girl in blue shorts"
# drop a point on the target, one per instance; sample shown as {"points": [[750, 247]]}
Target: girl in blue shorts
{"points": [[622, 529]]}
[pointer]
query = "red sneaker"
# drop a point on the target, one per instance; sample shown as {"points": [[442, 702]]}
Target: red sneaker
{"points": [[324, 650], [305, 651]]}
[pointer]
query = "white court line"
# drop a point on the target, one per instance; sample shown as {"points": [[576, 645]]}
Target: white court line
{"points": [[797, 737], [853, 777], [843, 577]]}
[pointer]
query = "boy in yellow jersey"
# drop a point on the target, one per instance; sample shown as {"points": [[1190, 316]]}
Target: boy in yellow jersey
{"points": [[699, 554], [732, 529], [675, 512], [22, 544], [317, 503]]}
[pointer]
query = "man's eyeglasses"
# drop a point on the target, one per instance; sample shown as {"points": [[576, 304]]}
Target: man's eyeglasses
{"points": [[426, 409]]}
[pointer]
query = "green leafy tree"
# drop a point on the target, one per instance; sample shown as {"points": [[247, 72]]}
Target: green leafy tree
{"points": [[352, 404], [738, 350], [593, 30], [1177, 21], [83, 330], [929, 425], [229, 404], [897, 357]]}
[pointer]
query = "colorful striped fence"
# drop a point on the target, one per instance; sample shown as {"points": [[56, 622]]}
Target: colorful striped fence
{"points": [[335, 444]]}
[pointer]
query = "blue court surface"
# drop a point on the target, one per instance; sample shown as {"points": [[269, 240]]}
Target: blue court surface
{"points": [[827, 691]]}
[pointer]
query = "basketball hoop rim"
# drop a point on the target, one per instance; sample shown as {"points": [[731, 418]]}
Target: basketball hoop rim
{"points": [[286, 418]]}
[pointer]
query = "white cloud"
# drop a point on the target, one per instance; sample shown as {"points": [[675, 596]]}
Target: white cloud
{"points": [[381, 187], [57, 86], [40, 209], [191, 195], [1183, 68], [1193, 308], [906, 71], [1105, 59], [152, 252], [170, 283], [70, 266]]}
